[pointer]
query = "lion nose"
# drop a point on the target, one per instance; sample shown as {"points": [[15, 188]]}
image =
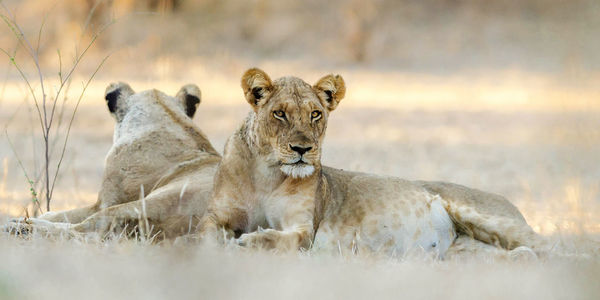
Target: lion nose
{"points": [[300, 150]]}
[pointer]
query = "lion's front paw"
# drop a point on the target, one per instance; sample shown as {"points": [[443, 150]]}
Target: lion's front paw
{"points": [[522, 253], [26, 226], [18, 226], [261, 239], [188, 239]]}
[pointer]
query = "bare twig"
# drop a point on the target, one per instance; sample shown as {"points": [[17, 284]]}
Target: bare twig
{"points": [[62, 154], [34, 194], [88, 19], [77, 61], [37, 48], [35, 57], [14, 62], [6, 74], [46, 115], [59, 66]]}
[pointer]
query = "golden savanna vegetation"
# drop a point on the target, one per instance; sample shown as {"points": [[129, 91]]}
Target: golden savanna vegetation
{"points": [[502, 96]]}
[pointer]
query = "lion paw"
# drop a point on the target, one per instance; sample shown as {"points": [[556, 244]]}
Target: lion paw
{"points": [[522, 253], [27, 226], [262, 239], [18, 226]]}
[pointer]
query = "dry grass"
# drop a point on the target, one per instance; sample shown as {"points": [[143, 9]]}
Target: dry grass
{"points": [[542, 159], [500, 97], [539, 154], [75, 269]]}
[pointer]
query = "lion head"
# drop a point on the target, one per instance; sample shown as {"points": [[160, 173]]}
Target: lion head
{"points": [[153, 133], [135, 112], [290, 118], [117, 96]]}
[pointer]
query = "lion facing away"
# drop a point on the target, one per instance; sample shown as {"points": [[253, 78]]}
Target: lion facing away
{"points": [[271, 190], [158, 155]]}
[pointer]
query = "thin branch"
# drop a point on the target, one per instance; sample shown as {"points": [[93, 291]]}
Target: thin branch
{"points": [[14, 114], [46, 117], [88, 19], [37, 48], [34, 55], [6, 75], [29, 181], [14, 62], [61, 113], [77, 60], [59, 70], [64, 148], [59, 126]]}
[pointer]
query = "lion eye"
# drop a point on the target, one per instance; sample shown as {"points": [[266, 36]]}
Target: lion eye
{"points": [[279, 114], [315, 115]]}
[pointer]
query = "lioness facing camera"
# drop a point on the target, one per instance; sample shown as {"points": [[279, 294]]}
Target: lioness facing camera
{"points": [[271, 191]]}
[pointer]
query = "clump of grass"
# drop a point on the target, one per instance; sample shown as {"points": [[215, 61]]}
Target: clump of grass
{"points": [[49, 109]]}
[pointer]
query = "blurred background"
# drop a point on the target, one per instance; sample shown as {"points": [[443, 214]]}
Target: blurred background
{"points": [[502, 96]]}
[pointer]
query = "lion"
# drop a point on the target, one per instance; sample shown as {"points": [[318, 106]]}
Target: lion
{"points": [[159, 168], [271, 191], [179, 185]]}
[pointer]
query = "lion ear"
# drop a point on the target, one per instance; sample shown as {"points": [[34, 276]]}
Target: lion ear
{"points": [[257, 87], [114, 95], [190, 97], [331, 89]]}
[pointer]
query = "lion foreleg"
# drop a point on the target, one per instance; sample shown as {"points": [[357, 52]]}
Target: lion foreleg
{"points": [[294, 227], [26, 226], [72, 216], [51, 222], [152, 209], [213, 231]]}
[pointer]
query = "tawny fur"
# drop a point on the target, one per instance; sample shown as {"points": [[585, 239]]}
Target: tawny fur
{"points": [[360, 208], [260, 203], [158, 155]]}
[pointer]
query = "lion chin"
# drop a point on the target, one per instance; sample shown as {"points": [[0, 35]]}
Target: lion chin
{"points": [[298, 170]]}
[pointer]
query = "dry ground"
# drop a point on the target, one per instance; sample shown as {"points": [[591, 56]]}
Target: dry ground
{"points": [[501, 96], [71, 270], [540, 152]]}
